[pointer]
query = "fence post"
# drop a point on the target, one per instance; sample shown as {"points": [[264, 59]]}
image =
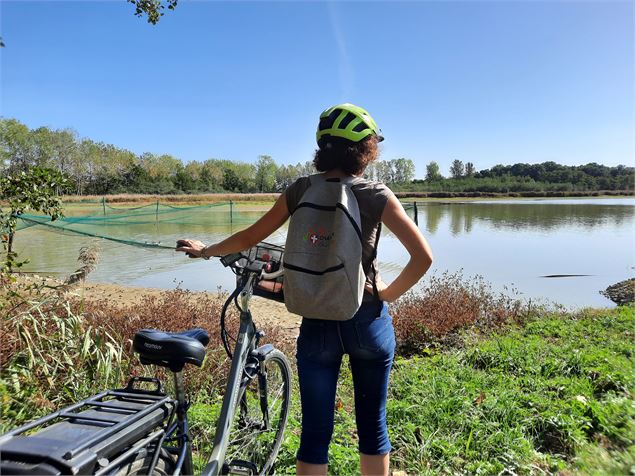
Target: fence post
{"points": [[157, 212], [231, 212], [416, 213], [103, 204]]}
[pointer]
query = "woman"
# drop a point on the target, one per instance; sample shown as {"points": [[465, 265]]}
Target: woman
{"points": [[348, 141]]}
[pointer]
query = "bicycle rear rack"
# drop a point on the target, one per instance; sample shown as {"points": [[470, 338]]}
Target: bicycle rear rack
{"points": [[90, 435]]}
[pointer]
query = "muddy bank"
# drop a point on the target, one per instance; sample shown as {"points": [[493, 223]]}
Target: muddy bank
{"points": [[621, 293]]}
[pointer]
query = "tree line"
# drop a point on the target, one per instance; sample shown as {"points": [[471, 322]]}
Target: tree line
{"points": [[546, 176], [96, 168]]}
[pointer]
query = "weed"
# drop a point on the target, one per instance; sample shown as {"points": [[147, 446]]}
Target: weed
{"points": [[447, 304]]}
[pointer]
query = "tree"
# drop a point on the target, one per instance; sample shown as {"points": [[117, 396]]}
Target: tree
{"points": [[36, 189], [384, 171], [469, 169], [433, 172], [456, 169], [231, 182], [18, 149], [265, 174], [404, 170]]}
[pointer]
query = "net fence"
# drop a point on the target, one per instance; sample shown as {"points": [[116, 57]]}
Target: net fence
{"points": [[139, 225], [133, 225]]}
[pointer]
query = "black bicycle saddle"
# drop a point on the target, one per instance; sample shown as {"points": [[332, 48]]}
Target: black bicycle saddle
{"points": [[171, 349]]}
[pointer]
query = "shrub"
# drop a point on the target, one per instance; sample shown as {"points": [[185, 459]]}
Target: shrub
{"points": [[447, 304]]}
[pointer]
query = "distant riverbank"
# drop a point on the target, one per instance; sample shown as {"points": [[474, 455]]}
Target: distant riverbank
{"points": [[188, 199]]}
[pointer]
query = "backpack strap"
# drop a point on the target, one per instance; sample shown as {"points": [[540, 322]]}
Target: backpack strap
{"points": [[372, 263]]}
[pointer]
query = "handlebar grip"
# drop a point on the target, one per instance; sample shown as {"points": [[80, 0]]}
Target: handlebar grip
{"points": [[275, 274]]}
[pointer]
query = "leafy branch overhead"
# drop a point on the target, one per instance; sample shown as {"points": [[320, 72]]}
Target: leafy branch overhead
{"points": [[152, 8]]}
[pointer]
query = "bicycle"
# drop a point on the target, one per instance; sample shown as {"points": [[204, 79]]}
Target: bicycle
{"points": [[139, 429]]}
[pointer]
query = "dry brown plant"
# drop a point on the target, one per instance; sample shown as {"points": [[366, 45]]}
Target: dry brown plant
{"points": [[89, 258], [447, 304], [173, 311]]}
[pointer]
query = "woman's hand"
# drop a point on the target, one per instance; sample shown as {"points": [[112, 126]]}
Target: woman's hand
{"points": [[382, 287], [192, 248]]}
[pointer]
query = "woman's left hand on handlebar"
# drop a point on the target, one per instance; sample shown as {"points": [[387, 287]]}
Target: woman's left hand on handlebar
{"points": [[192, 248]]}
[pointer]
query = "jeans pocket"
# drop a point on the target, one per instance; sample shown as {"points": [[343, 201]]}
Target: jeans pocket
{"points": [[376, 335], [311, 341]]}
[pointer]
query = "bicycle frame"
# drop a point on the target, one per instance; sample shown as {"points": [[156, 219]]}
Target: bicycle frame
{"points": [[246, 344]]}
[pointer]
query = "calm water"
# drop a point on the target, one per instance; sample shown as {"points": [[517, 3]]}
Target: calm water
{"points": [[509, 243]]}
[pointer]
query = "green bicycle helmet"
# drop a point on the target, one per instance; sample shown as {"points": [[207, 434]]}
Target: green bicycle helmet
{"points": [[346, 121]]}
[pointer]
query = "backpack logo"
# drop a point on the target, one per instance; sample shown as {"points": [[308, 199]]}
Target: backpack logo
{"points": [[320, 238]]}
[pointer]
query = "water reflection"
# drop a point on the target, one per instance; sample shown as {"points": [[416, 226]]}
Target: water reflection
{"points": [[545, 217]]}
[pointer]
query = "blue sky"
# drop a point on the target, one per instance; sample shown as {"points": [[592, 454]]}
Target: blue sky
{"points": [[484, 82]]}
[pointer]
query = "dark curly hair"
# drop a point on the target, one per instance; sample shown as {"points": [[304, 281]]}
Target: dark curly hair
{"points": [[350, 157]]}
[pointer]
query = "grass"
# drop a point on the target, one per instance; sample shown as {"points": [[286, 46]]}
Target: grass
{"points": [[491, 389], [553, 397]]}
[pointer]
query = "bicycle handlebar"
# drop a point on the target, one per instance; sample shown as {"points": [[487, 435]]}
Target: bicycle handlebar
{"points": [[275, 274]]}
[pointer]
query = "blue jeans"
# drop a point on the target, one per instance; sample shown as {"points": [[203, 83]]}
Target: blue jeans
{"points": [[369, 340]]}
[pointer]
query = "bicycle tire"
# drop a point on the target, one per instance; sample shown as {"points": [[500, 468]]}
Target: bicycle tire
{"points": [[140, 465], [250, 439]]}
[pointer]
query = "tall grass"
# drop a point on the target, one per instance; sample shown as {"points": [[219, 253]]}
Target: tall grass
{"points": [[182, 199], [56, 357]]}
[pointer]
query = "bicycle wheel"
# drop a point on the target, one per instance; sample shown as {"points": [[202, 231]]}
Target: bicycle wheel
{"points": [[261, 417]]}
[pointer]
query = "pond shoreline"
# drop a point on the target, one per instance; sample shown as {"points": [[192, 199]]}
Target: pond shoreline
{"points": [[239, 198]]}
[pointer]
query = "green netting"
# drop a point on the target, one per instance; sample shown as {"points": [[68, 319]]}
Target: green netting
{"points": [[146, 225], [136, 225]]}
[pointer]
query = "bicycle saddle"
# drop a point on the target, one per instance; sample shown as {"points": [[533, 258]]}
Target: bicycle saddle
{"points": [[171, 349]]}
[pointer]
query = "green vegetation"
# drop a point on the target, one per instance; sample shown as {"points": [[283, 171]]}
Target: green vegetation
{"points": [[97, 169], [34, 189], [519, 178], [491, 389]]}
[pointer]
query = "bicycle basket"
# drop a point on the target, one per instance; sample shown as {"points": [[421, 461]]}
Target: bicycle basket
{"points": [[272, 255]]}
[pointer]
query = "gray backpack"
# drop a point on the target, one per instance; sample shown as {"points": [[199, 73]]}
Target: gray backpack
{"points": [[323, 277]]}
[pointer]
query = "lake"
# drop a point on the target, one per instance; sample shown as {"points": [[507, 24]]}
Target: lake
{"points": [[510, 243]]}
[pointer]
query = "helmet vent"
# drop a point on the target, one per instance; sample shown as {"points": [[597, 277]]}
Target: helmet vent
{"points": [[347, 120], [327, 122], [360, 127]]}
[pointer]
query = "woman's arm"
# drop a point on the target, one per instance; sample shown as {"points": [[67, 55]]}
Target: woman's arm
{"points": [[395, 218], [265, 226]]}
